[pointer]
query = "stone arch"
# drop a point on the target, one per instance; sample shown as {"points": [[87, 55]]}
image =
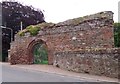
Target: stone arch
{"points": [[30, 47]]}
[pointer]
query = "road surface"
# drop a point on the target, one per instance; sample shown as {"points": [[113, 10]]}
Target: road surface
{"points": [[10, 74]]}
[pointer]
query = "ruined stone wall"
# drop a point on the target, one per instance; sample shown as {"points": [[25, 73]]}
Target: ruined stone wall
{"points": [[84, 44], [79, 33], [93, 31], [103, 62]]}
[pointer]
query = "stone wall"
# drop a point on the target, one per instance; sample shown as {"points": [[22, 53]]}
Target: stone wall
{"points": [[93, 31], [84, 44], [97, 61]]}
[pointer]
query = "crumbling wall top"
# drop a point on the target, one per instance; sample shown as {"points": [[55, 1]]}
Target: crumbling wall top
{"points": [[106, 14]]}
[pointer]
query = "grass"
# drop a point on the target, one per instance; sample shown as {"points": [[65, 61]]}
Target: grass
{"points": [[42, 62]]}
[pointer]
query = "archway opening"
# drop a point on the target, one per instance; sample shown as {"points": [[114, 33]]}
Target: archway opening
{"points": [[40, 54]]}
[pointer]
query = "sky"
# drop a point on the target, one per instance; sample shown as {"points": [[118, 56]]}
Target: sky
{"points": [[60, 10]]}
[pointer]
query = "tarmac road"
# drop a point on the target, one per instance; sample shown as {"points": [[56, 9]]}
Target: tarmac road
{"points": [[10, 74]]}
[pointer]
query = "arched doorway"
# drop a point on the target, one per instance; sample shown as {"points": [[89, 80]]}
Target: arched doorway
{"points": [[40, 54], [37, 51]]}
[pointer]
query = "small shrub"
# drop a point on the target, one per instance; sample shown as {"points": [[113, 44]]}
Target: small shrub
{"points": [[33, 30]]}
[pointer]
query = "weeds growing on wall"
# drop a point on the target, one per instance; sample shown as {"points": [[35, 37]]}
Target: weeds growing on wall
{"points": [[34, 29]]}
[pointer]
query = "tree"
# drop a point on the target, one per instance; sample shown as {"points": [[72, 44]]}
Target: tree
{"points": [[13, 13], [117, 34]]}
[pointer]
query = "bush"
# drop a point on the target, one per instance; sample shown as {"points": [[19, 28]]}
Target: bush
{"points": [[117, 39], [117, 34], [33, 30]]}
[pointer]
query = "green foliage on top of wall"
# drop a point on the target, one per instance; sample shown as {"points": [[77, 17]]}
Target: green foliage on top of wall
{"points": [[34, 29]]}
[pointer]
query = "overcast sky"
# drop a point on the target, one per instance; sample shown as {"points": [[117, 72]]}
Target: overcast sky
{"points": [[60, 10]]}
